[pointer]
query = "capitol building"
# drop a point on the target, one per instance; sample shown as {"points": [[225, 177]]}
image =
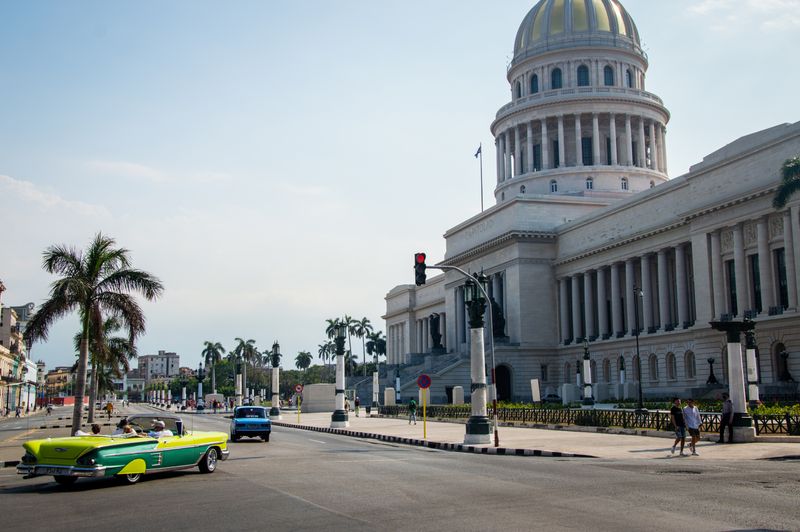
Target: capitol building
{"points": [[590, 243]]}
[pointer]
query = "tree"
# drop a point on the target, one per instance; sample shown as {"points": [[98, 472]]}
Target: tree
{"points": [[376, 345], [246, 352], [213, 355], [303, 360], [362, 329], [95, 283], [790, 182]]}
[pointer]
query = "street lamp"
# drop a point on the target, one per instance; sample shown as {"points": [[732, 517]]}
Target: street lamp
{"points": [[275, 358], [588, 400], [637, 294], [200, 376], [712, 379], [28, 344], [478, 428], [340, 418]]}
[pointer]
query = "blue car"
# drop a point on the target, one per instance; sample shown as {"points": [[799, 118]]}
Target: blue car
{"points": [[251, 421]]}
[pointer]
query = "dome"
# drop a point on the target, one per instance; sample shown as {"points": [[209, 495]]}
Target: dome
{"points": [[559, 24]]}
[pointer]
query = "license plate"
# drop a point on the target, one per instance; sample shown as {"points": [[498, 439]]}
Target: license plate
{"points": [[50, 471]]}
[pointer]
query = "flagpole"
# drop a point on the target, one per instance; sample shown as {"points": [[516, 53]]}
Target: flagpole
{"points": [[480, 153]]}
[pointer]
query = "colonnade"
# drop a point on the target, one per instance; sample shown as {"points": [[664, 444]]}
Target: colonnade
{"points": [[424, 333], [541, 144]]}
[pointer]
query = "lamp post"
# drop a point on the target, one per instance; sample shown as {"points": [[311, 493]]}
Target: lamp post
{"points": [[637, 294], [200, 376], [742, 422], [275, 356], [28, 344], [588, 400], [712, 379], [752, 368], [184, 379], [478, 429], [339, 418]]}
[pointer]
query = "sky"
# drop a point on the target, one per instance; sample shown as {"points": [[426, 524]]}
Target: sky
{"points": [[278, 163]]}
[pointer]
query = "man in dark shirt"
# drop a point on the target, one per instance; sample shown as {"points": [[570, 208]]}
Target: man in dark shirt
{"points": [[726, 420], [676, 416]]}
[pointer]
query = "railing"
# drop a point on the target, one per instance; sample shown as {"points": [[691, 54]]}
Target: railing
{"points": [[628, 419], [569, 92]]}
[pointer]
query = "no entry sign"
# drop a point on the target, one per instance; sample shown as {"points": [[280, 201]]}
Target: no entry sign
{"points": [[423, 381], [298, 388]]}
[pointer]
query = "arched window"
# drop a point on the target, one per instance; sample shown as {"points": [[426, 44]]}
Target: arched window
{"points": [[568, 373], [689, 364], [781, 363], [672, 367], [629, 78], [589, 183], [621, 369], [534, 84], [653, 367], [553, 186], [624, 183], [502, 196], [555, 78], [519, 90], [583, 76], [522, 189], [608, 76], [606, 370]]}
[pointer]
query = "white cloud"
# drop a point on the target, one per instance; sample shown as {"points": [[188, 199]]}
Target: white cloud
{"points": [[46, 198], [130, 170], [733, 15]]}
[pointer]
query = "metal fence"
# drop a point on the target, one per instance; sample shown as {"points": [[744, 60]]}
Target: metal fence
{"points": [[628, 419]]}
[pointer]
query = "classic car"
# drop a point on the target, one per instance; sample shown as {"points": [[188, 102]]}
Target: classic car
{"points": [[127, 457], [250, 421]]}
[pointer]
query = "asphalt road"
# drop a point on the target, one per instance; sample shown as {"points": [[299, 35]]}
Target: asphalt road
{"points": [[312, 481]]}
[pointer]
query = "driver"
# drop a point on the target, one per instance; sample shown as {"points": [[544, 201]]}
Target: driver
{"points": [[158, 430]]}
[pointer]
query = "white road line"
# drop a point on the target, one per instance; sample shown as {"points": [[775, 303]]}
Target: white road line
{"points": [[317, 441]]}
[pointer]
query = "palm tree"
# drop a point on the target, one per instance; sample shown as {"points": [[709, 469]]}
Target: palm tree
{"points": [[95, 283], [246, 352], [303, 360], [790, 182], [213, 354], [330, 329], [362, 329], [376, 345]]}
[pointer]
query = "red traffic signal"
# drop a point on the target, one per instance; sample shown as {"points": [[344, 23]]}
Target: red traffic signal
{"points": [[419, 268], [419, 258]]}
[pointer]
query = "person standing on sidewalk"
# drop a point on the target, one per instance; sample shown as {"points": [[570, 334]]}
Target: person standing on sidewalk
{"points": [[412, 411], [357, 403], [691, 415], [676, 416], [726, 420]]}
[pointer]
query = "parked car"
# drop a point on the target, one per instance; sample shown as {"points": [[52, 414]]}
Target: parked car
{"points": [[127, 457], [252, 421]]}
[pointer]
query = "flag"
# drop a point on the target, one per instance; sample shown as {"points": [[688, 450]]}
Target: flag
{"points": [[478, 152]]}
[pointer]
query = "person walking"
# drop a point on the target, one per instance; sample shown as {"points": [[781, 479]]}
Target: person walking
{"points": [[357, 403], [676, 416], [691, 415], [726, 420], [412, 411]]}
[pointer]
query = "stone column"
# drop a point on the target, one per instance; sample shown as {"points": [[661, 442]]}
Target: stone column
{"points": [[577, 330], [663, 149], [595, 139], [478, 428], [681, 288], [275, 411], [545, 146], [561, 149], [616, 304], [375, 395], [238, 389], [653, 148], [790, 249], [642, 152], [498, 158], [602, 310], [340, 418], [563, 308], [613, 132], [742, 423], [628, 141], [517, 153], [507, 154], [578, 143], [530, 148], [459, 293], [718, 276], [701, 285], [630, 307], [765, 267], [663, 291], [740, 268], [588, 305], [647, 294]]}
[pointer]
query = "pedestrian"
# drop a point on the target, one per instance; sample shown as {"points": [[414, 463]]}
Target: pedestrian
{"points": [[726, 420], [358, 403], [691, 416], [49, 409], [346, 405], [17, 412], [412, 412], [676, 416]]}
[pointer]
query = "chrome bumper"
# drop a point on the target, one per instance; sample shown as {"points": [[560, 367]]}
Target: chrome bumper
{"points": [[223, 455], [37, 470]]}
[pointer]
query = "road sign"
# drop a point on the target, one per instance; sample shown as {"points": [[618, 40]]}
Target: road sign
{"points": [[423, 381], [298, 388]]}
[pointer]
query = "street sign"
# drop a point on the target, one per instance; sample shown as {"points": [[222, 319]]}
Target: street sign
{"points": [[298, 388], [423, 381]]}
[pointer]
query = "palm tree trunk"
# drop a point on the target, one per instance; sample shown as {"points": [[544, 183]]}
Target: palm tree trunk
{"points": [[92, 392], [244, 378], [214, 378], [364, 355], [80, 381]]}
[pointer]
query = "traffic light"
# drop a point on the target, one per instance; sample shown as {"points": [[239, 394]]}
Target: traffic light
{"points": [[419, 268]]}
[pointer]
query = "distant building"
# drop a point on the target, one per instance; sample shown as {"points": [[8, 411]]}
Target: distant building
{"points": [[162, 365]]}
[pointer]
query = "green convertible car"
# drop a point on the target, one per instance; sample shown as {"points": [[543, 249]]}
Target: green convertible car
{"points": [[127, 457]]}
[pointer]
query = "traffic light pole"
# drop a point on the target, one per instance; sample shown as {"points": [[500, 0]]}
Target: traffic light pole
{"points": [[491, 343]]}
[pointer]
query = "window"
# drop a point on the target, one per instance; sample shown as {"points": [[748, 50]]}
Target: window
{"points": [[589, 183], [780, 275], [567, 373], [621, 369], [730, 268], [586, 151], [608, 76], [608, 150], [624, 183], [583, 76], [502, 196], [689, 363], [672, 367], [555, 78], [519, 90], [553, 186], [534, 84], [544, 372], [606, 370], [522, 189], [629, 78], [653, 367], [635, 368], [556, 155], [537, 157], [756, 281]]}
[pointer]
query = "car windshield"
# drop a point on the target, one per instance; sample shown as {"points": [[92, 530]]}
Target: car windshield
{"points": [[145, 423], [258, 413]]}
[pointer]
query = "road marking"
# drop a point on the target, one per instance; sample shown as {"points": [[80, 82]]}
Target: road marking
{"points": [[20, 435], [318, 441]]}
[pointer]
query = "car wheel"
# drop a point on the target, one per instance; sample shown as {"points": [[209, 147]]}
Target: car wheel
{"points": [[65, 480], [266, 437], [234, 437], [132, 478], [209, 461]]}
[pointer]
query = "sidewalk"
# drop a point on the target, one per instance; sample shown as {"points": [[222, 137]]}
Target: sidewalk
{"points": [[538, 441]]}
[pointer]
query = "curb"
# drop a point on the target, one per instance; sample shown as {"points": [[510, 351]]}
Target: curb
{"points": [[457, 447]]}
